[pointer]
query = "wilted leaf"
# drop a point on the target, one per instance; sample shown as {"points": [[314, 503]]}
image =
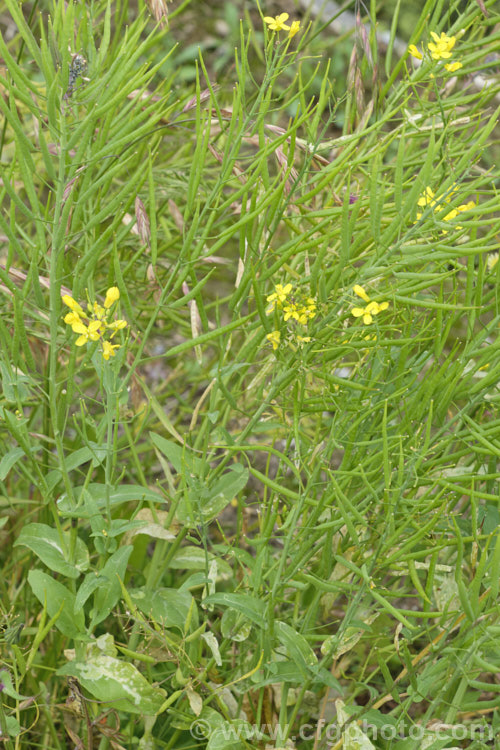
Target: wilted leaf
{"points": [[115, 682], [354, 737], [213, 645]]}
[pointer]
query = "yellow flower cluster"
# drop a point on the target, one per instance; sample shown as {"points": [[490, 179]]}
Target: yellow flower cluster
{"points": [[439, 49], [428, 199], [93, 324], [372, 308], [278, 23], [301, 310]]}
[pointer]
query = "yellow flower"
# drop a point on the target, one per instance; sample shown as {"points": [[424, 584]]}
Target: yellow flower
{"points": [[371, 309], [308, 311], [357, 289], [71, 318], [426, 199], [116, 325], [303, 339], [96, 322], [72, 304], [451, 215], [274, 338], [442, 46], [97, 311], [108, 350], [415, 52], [467, 206], [112, 295], [455, 211], [453, 66], [293, 29], [278, 22], [87, 333], [278, 296], [291, 311]]}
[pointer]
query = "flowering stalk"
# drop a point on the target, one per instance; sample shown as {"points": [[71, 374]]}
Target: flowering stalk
{"points": [[278, 23], [439, 49], [298, 309], [95, 323], [372, 308]]}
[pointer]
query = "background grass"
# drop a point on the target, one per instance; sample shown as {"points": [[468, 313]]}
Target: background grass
{"points": [[208, 541]]}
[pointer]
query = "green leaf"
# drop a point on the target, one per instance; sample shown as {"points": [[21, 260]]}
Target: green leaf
{"points": [[91, 582], [181, 457], [296, 645], [353, 736], [280, 671], [8, 687], [125, 493], [14, 384], [235, 626], [228, 735], [109, 591], [93, 452], [194, 558], [168, 607], [349, 637], [248, 605], [220, 733], [46, 543], [152, 524], [115, 682], [8, 460], [55, 595], [204, 505], [12, 725]]}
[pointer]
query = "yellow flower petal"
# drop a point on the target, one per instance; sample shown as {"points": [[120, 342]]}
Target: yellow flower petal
{"points": [[294, 28], [427, 198], [441, 50], [278, 22], [454, 66], [357, 289], [372, 308], [274, 338], [367, 319], [72, 304], [71, 318], [466, 206], [358, 311], [415, 52], [108, 350], [112, 295], [451, 215], [117, 325]]}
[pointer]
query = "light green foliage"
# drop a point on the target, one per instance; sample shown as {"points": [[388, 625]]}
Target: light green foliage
{"points": [[264, 510]]}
